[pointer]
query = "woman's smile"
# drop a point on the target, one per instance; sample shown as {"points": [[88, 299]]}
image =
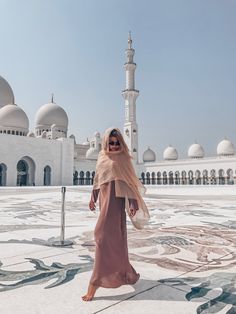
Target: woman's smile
{"points": [[114, 144]]}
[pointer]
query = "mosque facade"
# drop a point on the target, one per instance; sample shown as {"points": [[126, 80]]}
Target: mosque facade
{"points": [[48, 156]]}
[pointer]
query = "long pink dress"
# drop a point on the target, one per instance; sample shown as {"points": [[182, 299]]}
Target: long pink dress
{"points": [[112, 267]]}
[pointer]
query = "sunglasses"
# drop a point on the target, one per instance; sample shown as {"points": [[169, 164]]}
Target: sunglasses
{"points": [[114, 143]]}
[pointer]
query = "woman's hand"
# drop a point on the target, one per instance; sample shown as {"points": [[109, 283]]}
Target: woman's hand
{"points": [[132, 212], [92, 205]]}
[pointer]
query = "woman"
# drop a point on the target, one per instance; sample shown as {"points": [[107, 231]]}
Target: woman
{"points": [[119, 191]]}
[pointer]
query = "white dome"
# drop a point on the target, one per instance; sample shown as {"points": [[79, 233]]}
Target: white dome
{"points": [[196, 151], [31, 134], [97, 134], [149, 155], [170, 153], [13, 117], [6, 93], [50, 114], [225, 148], [92, 153]]}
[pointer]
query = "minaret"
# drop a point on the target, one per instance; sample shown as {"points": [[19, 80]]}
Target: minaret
{"points": [[130, 95]]}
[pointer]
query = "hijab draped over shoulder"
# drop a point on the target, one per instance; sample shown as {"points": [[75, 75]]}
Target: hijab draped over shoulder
{"points": [[117, 166]]}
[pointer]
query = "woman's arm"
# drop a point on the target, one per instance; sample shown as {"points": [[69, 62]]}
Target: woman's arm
{"points": [[93, 199], [94, 195], [133, 206]]}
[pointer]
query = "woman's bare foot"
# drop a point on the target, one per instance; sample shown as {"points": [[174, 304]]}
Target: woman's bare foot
{"points": [[90, 294]]}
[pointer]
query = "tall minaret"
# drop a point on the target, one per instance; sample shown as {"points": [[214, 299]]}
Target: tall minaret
{"points": [[130, 95]]}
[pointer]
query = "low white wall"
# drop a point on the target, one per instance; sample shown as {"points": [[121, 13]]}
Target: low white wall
{"points": [[183, 190], [158, 191], [58, 154]]}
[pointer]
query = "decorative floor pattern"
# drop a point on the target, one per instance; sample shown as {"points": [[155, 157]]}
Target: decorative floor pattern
{"points": [[43, 273], [223, 285], [186, 256]]}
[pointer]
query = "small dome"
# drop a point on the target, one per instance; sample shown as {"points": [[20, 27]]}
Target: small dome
{"points": [[12, 116], [31, 134], [97, 134], [50, 114], [196, 151], [170, 153], [92, 153], [225, 148], [149, 155], [6, 93]]}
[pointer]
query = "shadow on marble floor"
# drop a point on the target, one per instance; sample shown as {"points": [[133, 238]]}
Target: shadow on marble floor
{"points": [[214, 293]]}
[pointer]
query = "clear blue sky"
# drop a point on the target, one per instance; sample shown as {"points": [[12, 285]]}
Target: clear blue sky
{"points": [[185, 55]]}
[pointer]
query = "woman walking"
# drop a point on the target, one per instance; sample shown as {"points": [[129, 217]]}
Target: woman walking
{"points": [[119, 192]]}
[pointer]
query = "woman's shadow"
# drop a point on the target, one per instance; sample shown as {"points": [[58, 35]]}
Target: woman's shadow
{"points": [[146, 289], [213, 292]]}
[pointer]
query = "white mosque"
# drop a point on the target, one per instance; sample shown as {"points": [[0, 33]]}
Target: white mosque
{"points": [[48, 156]]}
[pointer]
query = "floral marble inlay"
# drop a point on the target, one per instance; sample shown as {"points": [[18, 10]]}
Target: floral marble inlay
{"points": [[43, 273]]}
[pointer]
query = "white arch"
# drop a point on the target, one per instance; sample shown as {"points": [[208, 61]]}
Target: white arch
{"points": [[28, 176], [230, 176], [47, 175], [3, 174]]}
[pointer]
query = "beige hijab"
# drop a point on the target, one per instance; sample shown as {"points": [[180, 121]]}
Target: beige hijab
{"points": [[117, 165]]}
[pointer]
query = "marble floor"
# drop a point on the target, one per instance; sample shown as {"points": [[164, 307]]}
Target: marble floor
{"points": [[186, 256]]}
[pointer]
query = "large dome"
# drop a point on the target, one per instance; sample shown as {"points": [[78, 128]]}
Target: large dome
{"points": [[6, 93], [196, 151], [149, 155], [92, 153], [13, 118], [225, 148], [170, 153], [50, 114]]}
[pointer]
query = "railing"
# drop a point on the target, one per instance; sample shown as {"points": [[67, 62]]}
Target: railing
{"points": [[188, 181], [170, 181]]}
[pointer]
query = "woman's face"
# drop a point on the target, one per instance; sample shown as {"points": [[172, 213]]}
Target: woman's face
{"points": [[113, 144]]}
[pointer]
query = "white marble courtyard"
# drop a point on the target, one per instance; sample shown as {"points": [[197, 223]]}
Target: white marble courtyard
{"points": [[186, 256]]}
